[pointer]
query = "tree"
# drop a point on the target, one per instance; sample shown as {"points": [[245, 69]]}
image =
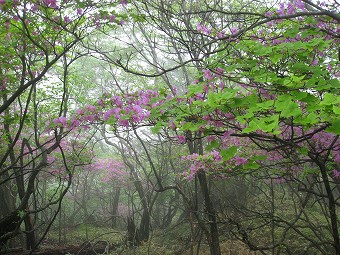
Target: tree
{"points": [[38, 38], [262, 112], [270, 86]]}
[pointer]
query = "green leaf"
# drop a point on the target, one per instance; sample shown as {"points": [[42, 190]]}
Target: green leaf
{"points": [[276, 57], [213, 145], [292, 32], [195, 89], [192, 126], [300, 67], [334, 127], [253, 126], [287, 107], [266, 124], [310, 119], [252, 165], [111, 120], [242, 118], [303, 151], [212, 100], [336, 109], [269, 124], [330, 99], [228, 153], [292, 109], [228, 94], [259, 157], [297, 78], [155, 129], [266, 104]]}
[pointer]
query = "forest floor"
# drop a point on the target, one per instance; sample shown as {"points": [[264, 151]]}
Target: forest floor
{"points": [[68, 249], [226, 249], [75, 241], [84, 249]]}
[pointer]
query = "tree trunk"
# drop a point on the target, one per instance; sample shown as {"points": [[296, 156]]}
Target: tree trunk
{"points": [[195, 146], [331, 209], [144, 226], [214, 242], [115, 208], [132, 233]]}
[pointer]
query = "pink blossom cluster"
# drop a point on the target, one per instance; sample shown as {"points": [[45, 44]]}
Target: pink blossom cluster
{"points": [[290, 7], [202, 28], [51, 3], [110, 170], [62, 17], [336, 174], [130, 109], [211, 163], [134, 108], [323, 141]]}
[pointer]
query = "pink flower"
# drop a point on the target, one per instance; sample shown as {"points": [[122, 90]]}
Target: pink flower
{"points": [[79, 11], [329, 67], [220, 34], [229, 115], [90, 118], [268, 14], [108, 114], [217, 155], [112, 18], [75, 123], [51, 3], [100, 102], [300, 5], [234, 30], [207, 74], [147, 114], [67, 19], [137, 109], [124, 123], [173, 126], [199, 96], [35, 8], [219, 71], [336, 174], [210, 138], [124, 2], [290, 9], [206, 117], [190, 177], [181, 139], [80, 111], [91, 108], [61, 120], [203, 29], [199, 27], [337, 158], [315, 62], [206, 31], [240, 161], [206, 89], [117, 100]]}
